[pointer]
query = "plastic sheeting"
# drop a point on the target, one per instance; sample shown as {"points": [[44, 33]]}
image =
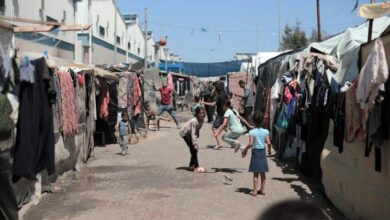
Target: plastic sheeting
{"points": [[234, 87], [151, 76], [345, 48]]}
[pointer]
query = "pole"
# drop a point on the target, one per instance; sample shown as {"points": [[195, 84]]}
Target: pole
{"points": [[318, 21], [146, 39], [370, 24], [115, 33], [278, 23], [257, 37], [90, 35], [166, 60]]}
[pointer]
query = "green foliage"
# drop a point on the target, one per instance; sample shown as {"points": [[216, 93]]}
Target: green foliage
{"points": [[293, 37]]}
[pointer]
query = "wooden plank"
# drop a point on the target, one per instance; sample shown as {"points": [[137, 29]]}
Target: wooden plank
{"points": [[6, 25], [41, 28], [31, 21], [74, 27]]}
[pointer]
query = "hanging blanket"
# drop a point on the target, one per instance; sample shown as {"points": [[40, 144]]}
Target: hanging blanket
{"points": [[68, 105]]}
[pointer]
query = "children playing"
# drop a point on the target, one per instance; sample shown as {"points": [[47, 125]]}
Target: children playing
{"points": [[123, 128], [232, 119], [196, 101], [258, 139], [190, 133]]}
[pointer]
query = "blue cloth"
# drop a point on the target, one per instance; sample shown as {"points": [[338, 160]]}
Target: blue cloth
{"points": [[259, 162], [123, 128], [169, 109], [259, 135]]}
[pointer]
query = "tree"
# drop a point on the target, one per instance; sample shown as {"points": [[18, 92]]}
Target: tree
{"points": [[293, 37], [314, 36]]}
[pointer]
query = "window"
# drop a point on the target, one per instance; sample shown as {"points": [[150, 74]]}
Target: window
{"points": [[2, 7], [63, 16], [118, 40], [139, 51], [48, 18], [102, 31], [42, 4], [128, 45]]}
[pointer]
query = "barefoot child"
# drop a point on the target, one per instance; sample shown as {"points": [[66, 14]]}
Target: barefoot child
{"points": [[190, 133], [233, 119], [123, 128], [258, 139]]}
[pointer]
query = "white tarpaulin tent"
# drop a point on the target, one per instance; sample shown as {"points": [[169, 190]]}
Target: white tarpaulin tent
{"points": [[345, 48]]}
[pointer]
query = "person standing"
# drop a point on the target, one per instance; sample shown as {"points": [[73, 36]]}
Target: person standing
{"points": [[219, 102], [166, 102], [123, 129], [258, 140], [248, 100], [207, 97]]}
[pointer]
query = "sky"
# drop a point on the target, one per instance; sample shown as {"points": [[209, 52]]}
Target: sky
{"points": [[214, 30]]}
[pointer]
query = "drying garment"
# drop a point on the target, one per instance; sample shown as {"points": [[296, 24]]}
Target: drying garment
{"points": [[372, 77], [136, 95], [105, 97], [376, 10], [80, 100], [267, 119], [353, 116], [122, 92], [170, 82], [68, 105], [34, 148], [27, 73]]}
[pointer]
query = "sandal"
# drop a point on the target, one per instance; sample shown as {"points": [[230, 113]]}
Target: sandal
{"points": [[218, 147], [236, 148], [252, 193], [260, 192]]}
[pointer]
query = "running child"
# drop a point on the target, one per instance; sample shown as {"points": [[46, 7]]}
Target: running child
{"points": [[258, 139], [190, 133], [233, 119], [123, 128]]}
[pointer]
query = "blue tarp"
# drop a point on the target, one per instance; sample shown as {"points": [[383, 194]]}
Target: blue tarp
{"points": [[204, 69]]}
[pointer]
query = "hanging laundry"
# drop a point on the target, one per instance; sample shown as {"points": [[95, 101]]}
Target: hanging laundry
{"points": [[122, 92], [353, 116], [68, 104], [105, 96], [170, 81], [372, 77], [137, 96], [34, 148], [27, 71]]}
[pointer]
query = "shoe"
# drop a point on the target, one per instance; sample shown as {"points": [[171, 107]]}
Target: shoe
{"points": [[123, 152], [218, 147]]}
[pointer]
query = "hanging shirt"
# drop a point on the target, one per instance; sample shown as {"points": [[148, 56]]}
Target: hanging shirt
{"points": [[220, 101], [259, 135], [165, 95], [27, 73], [233, 121]]}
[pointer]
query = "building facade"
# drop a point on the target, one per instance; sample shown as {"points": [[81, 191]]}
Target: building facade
{"points": [[112, 38]]}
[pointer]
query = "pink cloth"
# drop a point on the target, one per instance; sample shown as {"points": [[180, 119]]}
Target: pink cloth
{"points": [[68, 105], [353, 116], [137, 96], [170, 82], [235, 88], [104, 105], [372, 77]]}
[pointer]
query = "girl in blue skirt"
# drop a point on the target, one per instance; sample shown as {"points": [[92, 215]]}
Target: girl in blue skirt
{"points": [[258, 139]]}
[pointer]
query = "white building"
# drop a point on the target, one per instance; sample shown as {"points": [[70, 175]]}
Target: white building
{"points": [[256, 59], [59, 44], [113, 38]]}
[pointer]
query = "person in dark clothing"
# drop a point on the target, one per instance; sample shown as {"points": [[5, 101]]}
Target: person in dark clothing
{"points": [[34, 148], [207, 97], [219, 102], [248, 100]]}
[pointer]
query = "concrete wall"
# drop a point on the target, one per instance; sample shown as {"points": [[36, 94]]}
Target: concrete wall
{"points": [[351, 182]]}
